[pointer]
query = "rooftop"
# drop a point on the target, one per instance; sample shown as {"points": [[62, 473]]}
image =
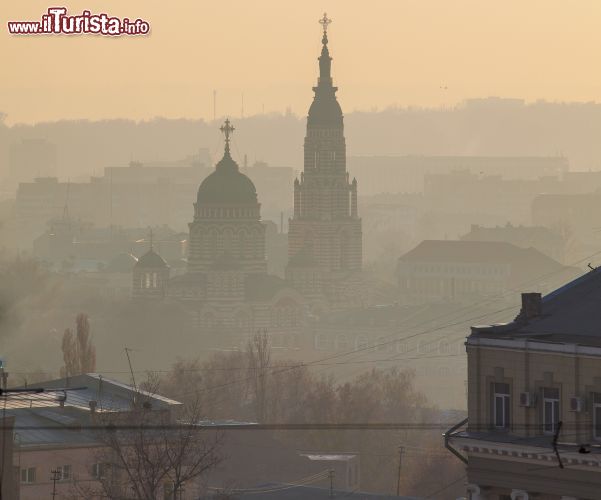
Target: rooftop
{"points": [[569, 314]]}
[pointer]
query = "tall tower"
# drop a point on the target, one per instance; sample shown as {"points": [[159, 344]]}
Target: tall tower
{"points": [[325, 228]]}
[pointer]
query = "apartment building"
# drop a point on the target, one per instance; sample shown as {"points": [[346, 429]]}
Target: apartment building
{"points": [[534, 400]]}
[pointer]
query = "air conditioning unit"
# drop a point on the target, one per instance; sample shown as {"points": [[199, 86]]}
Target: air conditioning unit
{"points": [[527, 399], [576, 404]]}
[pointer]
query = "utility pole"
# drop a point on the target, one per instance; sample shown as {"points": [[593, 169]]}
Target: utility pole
{"points": [[55, 477], [331, 477], [398, 480]]}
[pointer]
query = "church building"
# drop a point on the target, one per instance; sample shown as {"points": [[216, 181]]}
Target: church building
{"points": [[226, 288]]}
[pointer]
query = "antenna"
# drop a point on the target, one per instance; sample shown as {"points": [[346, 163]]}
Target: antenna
{"points": [[133, 379]]}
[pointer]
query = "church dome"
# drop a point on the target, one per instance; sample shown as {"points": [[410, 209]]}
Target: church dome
{"points": [[227, 185]]}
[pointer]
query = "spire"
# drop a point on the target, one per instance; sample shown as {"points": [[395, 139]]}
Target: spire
{"points": [[325, 61], [325, 110], [227, 130]]}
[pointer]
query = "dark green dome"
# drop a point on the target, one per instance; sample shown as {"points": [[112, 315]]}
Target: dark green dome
{"points": [[227, 186]]}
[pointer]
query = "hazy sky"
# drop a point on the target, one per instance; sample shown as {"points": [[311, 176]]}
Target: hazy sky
{"points": [[386, 52]]}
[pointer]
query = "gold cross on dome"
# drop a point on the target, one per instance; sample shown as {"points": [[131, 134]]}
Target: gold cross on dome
{"points": [[325, 22], [227, 130]]}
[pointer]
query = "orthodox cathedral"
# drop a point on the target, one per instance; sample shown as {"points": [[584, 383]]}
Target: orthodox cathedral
{"points": [[226, 286]]}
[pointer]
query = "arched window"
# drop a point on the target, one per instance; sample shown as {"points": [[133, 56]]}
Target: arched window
{"points": [[242, 242]]}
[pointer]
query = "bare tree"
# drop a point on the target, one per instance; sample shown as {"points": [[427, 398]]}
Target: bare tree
{"points": [[150, 453], [79, 354], [259, 364]]}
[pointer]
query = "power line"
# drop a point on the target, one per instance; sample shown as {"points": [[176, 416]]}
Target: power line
{"points": [[395, 339], [444, 488]]}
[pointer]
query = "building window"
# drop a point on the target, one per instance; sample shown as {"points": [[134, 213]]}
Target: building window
{"points": [[64, 472], [28, 475], [100, 470], [597, 415], [500, 405], [550, 409]]}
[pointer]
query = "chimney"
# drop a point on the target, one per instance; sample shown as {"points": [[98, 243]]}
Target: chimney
{"points": [[532, 306], [93, 405]]}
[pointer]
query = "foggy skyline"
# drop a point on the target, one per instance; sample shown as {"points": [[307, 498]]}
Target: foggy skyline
{"points": [[398, 53]]}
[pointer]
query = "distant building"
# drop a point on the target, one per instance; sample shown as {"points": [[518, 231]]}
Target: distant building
{"points": [[139, 195], [534, 399], [407, 174], [541, 238], [32, 158], [466, 271], [577, 215]]}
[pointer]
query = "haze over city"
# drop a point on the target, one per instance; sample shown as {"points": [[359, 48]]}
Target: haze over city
{"points": [[262, 251], [406, 53]]}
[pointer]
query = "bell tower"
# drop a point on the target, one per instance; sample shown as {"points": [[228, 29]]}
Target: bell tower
{"points": [[325, 227]]}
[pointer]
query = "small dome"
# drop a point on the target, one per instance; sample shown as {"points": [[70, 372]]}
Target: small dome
{"points": [[227, 185], [151, 260]]}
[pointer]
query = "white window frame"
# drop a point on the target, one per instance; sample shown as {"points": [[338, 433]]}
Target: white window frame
{"points": [[555, 410], [65, 472], [30, 474], [505, 399]]}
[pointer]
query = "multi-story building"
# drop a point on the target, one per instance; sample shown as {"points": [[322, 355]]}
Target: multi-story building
{"points": [[545, 240], [465, 271], [534, 400]]}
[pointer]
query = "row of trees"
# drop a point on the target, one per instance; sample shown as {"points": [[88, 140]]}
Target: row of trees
{"points": [[147, 449], [251, 386]]}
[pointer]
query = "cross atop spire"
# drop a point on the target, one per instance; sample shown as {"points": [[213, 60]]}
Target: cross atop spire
{"points": [[227, 130], [151, 239], [325, 22]]}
